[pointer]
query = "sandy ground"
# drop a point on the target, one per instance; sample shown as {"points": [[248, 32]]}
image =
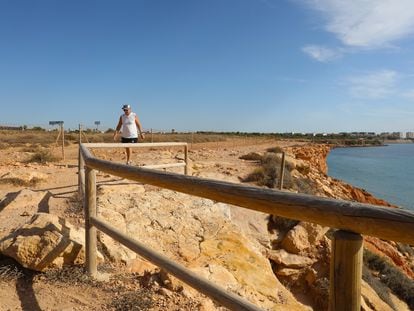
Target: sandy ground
{"points": [[24, 290]]}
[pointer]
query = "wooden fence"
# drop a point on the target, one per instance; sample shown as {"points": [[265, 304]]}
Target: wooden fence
{"points": [[350, 218]]}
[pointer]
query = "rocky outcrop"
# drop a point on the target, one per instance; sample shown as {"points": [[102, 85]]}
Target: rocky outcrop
{"points": [[199, 234], [16, 208], [308, 164], [315, 157], [303, 237], [285, 259], [45, 241], [25, 178]]}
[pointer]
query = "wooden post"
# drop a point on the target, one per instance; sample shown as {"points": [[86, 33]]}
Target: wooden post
{"points": [[186, 159], [346, 271], [152, 136], [63, 141], [57, 138], [90, 231], [282, 171], [81, 176], [80, 167]]}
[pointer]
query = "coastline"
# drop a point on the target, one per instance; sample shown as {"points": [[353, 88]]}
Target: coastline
{"points": [[399, 141]]}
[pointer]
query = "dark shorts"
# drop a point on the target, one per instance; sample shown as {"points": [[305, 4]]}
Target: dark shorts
{"points": [[129, 140]]}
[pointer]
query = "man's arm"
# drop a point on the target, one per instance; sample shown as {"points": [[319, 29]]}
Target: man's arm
{"points": [[138, 124], [118, 128]]}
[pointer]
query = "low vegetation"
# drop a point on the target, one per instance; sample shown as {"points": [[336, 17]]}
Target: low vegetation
{"points": [[269, 169], [22, 138], [252, 156], [395, 279], [42, 156], [267, 174], [275, 150]]}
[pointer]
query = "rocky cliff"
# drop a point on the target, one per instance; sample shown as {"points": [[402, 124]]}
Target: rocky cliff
{"points": [[309, 163]]}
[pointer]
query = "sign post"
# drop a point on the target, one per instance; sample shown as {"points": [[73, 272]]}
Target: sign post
{"points": [[97, 123]]}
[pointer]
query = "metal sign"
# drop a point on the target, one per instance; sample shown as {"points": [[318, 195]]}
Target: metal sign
{"points": [[55, 122], [97, 122]]}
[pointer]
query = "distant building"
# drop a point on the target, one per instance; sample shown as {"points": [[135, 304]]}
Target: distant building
{"points": [[409, 135], [398, 135]]}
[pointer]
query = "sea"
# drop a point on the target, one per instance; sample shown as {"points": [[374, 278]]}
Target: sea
{"points": [[387, 172]]}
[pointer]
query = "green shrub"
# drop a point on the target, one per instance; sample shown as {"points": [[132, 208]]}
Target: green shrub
{"points": [[395, 279], [252, 156], [303, 169], [405, 248], [320, 294], [304, 185], [269, 171], [283, 224], [275, 150], [42, 156], [380, 288], [257, 176]]}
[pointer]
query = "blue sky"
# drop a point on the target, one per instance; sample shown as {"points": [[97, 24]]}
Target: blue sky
{"points": [[223, 65]]}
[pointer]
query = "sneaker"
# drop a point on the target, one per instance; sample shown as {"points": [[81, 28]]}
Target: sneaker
{"points": [[129, 163]]}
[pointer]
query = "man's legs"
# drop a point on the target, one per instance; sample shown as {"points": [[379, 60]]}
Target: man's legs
{"points": [[128, 154]]}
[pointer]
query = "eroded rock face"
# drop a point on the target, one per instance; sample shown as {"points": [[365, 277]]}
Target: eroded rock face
{"points": [[17, 208], [45, 241], [303, 237], [297, 240], [315, 156], [199, 234], [285, 259]]}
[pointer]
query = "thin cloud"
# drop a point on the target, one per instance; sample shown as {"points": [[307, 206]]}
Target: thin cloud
{"points": [[368, 23], [289, 79], [409, 94], [374, 85], [321, 53]]}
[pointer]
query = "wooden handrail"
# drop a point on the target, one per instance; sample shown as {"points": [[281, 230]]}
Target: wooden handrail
{"points": [[386, 223], [131, 145], [166, 165], [81, 162]]}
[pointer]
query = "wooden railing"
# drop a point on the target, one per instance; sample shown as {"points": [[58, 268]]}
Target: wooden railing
{"points": [[352, 219], [81, 163]]}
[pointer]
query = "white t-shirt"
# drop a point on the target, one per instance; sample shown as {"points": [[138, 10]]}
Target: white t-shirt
{"points": [[129, 128]]}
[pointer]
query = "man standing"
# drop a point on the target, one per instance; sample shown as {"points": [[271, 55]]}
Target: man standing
{"points": [[130, 126]]}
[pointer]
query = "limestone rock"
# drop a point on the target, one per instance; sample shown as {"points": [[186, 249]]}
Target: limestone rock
{"points": [[114, 249], [15, 208], [44, 242], [23, 177], [282, 257], [303, 236], [254, 224], [198, 233], [140, 266], [132, 188], [287, 272]]}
